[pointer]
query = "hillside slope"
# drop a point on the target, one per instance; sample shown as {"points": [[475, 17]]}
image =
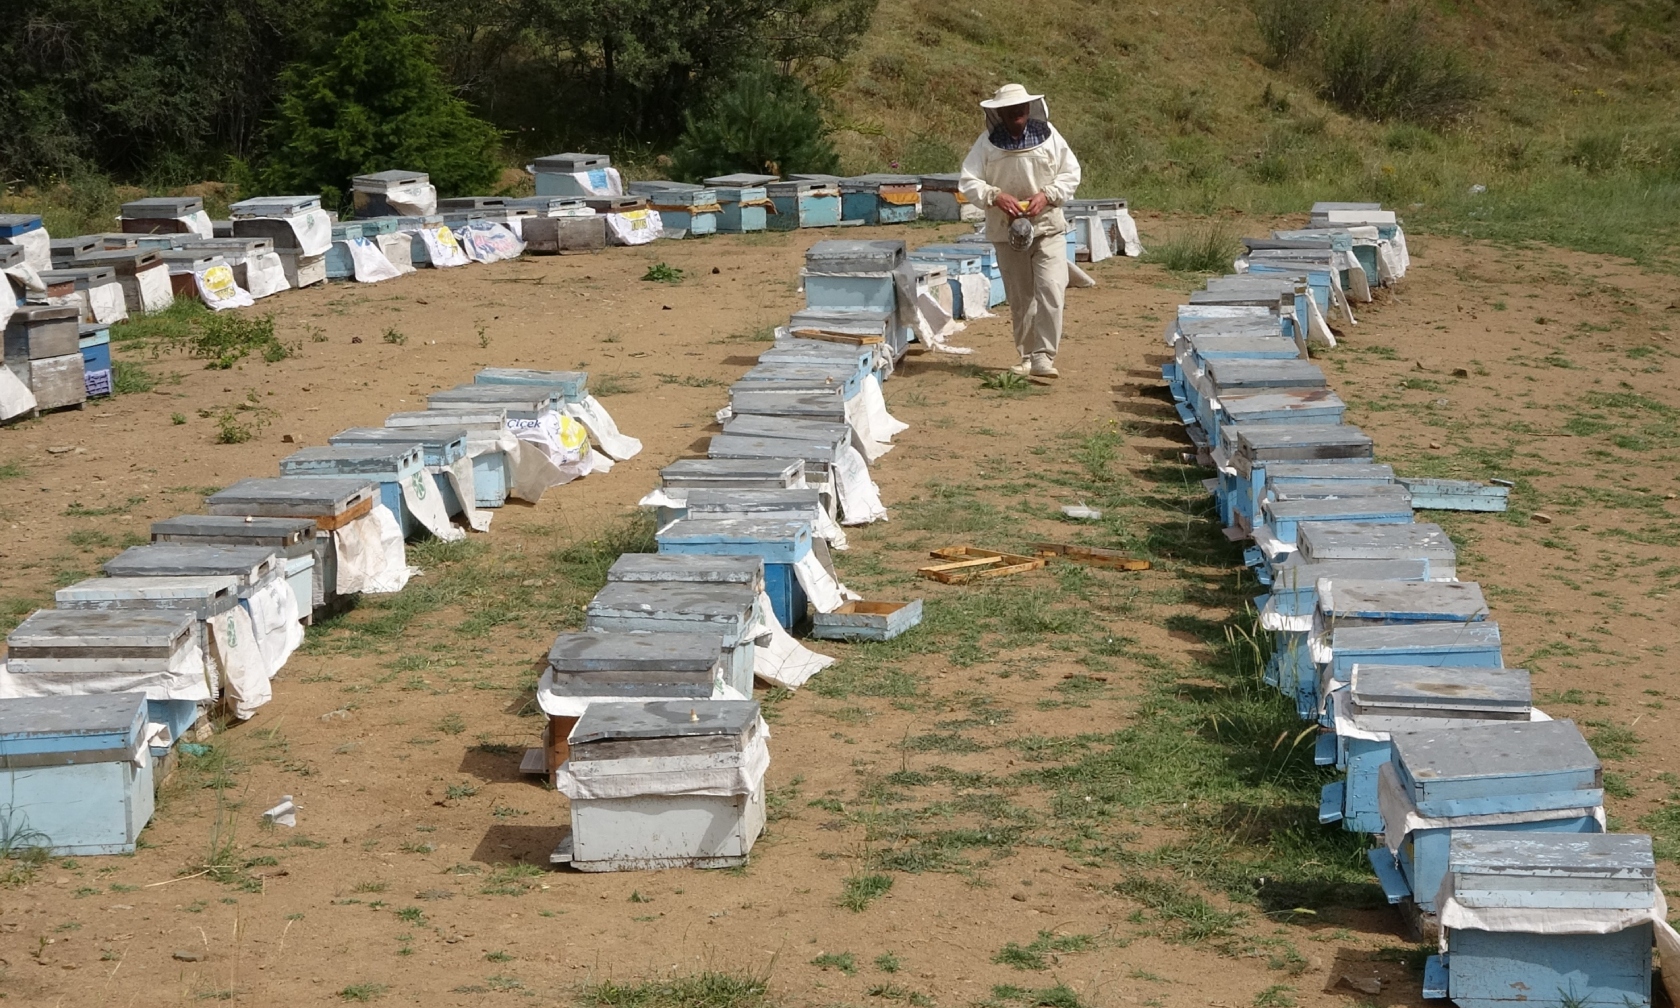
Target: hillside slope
{"points": [[1578, 141]]}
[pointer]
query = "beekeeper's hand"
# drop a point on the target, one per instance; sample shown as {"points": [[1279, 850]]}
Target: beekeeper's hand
{"points": [[1010, 206], [1037, 205]]}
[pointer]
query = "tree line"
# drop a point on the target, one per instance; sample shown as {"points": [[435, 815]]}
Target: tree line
{"points": [[298, 95]]}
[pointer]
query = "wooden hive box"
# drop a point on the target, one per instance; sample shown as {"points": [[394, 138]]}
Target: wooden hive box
{"points": [[645, 762], [780, 543], [391, 465], [101, 651], [160, 214], [863, 620], [745, 201], [250, 564], [492, 470], [548, 234], [881, 199], [803, 203], [685, 209], [572, 386], [1274, 406], [1248, 449], [330, 501], [692, 568], [683, 607], [636, 665], [757, 398], [852, 274], [862, 356], [1380, 505], [813, 375], [70, 778], [293, 539], [1383, 699], [1533, 879], [1455, 495], [1288, 612], [1371, 541], [747, 473], [1348, 601], [1474, 644], [439, 446], [523, 402], [1541, 773]]}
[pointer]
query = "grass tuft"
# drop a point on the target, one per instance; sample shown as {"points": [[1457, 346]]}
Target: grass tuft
{"points": [[858, 891], [1207, 249], [710, 989]]}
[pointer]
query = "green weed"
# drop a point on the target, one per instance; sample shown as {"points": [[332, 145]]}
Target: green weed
{"points": [[128, 377], [710, 989], [363, 991], [662, 272], [845, 962], [1207, 249], [1032, 955], [858, 891]]}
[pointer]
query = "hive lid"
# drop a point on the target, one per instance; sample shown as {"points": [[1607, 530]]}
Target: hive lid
{"points": [[1265, 440], [289, 530], [1543, 856], [741, 180], [749, 425], [1368, 540], [1323, 472], [1450, 601], [1505, 691], [751, 468], [836, 256], [635, 652], [1416, 638], [102, 628], [731, 600], [274, 206], [664, 719], [756, 529], [186, 587], [1233, 373], [364, 457], [691, 567], [529, 397], [154, 207], [570, 162], [1509, 749], [385, 181], [248, 562], [330, 495], [1382, 502], [1296, 572], [733, 446], [701, 500], [435, 438], [464, 420], [26, 718]]}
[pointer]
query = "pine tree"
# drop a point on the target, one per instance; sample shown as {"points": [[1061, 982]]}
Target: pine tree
{"points": [[371, 99], [766, 122]]}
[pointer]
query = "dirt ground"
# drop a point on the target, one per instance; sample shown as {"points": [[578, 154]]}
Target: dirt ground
{"points": [[1567, 388]]}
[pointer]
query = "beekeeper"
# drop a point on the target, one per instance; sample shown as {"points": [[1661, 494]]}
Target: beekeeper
{"points": [[1022, 171]]}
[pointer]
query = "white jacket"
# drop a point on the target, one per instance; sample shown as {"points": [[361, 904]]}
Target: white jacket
{"points": [[1049, 168]]}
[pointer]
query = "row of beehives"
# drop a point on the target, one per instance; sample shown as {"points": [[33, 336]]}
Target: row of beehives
{"points": [[1489, 813], [652, 734], [95, 694]]}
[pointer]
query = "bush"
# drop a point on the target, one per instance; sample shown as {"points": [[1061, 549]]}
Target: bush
{"points": [[1382, 65], [765, 122], [371, 99], [1208, 250], [1289, 27]]}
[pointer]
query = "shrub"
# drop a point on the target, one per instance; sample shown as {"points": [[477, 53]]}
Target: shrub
{"points": [[1382, 64], [1207, 250], [1289, 27], [765, 122], [369, 99]]}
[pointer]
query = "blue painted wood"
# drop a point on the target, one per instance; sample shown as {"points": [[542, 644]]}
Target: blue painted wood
{"points": [[1434, 970], [1490, 969], [1284, 517], [1455, 495], [1363, 602], [1474, 644], [787, 596], [572, 386], [68, 781], [1512, 766], [1294, 589], [1330, 802], [1423, 857], [815, 374], [391, 465], [875, 621], [803, 204], [179, 715], [1544, 871], [873, 293], [777, 541], [1389, 875]]}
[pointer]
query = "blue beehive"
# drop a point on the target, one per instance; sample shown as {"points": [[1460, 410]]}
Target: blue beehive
{"points": [[804, 203], [722, 608], [69, 777], [800, 352], [573, 174], [812, 375], [853, 274], [1542, 773], [491, 470], [955, 266], [685, 209], [1474, 644], [1316, 406], [1370, 541], [766, 399], [968, 250], [1528, 880], [745, 201], [572, 386], [750, 473], [294, 540], [1281, 518], [438, 447], [1288, 608], [881, 199], [1236, 376], [1253, 446], [841, 327], [780, 543], [95, 343], [1383, 699], [339, 264], [390, 465], [525, 404]]}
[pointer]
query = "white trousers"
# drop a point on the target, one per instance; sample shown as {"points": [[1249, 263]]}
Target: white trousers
{"points": [[1035, 282]]}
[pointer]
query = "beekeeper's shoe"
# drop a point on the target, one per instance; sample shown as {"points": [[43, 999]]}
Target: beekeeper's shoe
{"points": [[1024, 368], [1044, 366]]}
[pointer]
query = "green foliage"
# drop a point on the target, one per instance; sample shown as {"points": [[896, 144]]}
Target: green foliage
{"points": [[368, 99], [845, 962], [1032, 955], [223, 339], [697, 990], [363, 991], [1207, 249], [858, 891], [1005, 381], [765, 122], [128, 377], [663, 272], [1381, 63], [144, 89]]}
